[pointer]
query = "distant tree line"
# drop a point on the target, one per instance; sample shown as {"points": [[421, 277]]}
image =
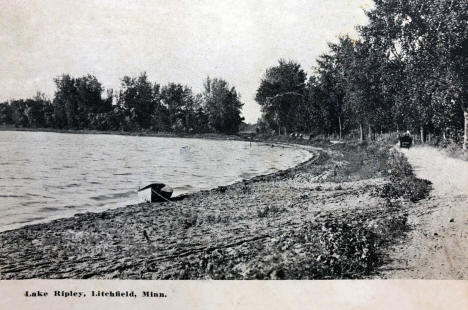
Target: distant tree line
{"points": [[83, 103], [407, 71]]}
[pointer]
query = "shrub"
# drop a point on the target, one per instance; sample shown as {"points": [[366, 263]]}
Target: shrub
{"points": [[346, 250], [269, 210], [403, 182]]}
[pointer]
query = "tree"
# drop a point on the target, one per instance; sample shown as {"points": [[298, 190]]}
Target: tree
{"points": [[76, 98], [139, 98], [449, 33], [427, 38], [180, 104], [316, 118], [332, 75], [5, 114], [222, 105], [198, 118], [18, 115], [281, 91]]}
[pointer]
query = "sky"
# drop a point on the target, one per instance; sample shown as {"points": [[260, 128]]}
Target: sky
{"points": [[172, 41]]}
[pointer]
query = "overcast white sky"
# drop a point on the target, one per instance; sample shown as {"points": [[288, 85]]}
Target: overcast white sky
{"points": [[178, 41]]}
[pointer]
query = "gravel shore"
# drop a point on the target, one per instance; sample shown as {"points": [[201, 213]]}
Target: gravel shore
{"points": [[268, 227]]}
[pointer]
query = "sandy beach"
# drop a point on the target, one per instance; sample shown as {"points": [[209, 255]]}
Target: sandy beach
{"points": [[351, 211], [323, 213]]}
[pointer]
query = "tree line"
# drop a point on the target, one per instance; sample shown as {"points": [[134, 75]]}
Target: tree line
{"points": [[139, 105], [406, 71]]}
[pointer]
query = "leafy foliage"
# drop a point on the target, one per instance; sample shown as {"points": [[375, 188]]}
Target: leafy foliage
{"points": [[79, 103], [407, 71], [281, 95], [223, 105], [75, 98]]}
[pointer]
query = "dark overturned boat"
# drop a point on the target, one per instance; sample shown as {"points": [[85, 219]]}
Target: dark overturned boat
{"points": [[155, 192]]}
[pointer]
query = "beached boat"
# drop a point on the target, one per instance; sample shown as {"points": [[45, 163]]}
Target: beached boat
{"points": [[155, 192]]}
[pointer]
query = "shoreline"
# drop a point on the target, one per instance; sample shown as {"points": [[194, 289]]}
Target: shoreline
{"points": [[213, 136], [175, 199], [174, 240], [246, 137], [288, 144]]}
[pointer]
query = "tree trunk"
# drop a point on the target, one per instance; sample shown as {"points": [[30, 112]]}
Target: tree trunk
{"points": [[278, 122], [339, 123], [361, 132], [421, 130], [465, 136], [370, 133]]}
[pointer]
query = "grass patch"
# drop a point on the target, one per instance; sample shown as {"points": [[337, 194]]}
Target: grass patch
{"points": [[345, 248], [403, 182], [358, 161]]}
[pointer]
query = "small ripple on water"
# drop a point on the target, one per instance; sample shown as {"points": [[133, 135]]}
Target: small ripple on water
{"points": [[31, 203], [11, 196], [47, 209], [72, 185], [112, 196]]}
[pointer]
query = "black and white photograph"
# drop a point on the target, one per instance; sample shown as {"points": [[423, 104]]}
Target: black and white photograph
{"points": [[233, 140]]}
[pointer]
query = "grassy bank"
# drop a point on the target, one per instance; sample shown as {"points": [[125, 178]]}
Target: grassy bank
{"points": [[332, 217]]}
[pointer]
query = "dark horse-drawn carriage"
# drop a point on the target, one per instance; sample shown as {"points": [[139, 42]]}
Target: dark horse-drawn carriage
{"points": [[405, 140]]}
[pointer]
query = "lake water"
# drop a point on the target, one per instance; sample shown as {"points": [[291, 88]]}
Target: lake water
{"points": [[44, 176]]}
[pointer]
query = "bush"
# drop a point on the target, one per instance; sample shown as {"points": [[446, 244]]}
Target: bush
{"points": [[346, 250], [454, 150], [410, 188], [403, 182]]}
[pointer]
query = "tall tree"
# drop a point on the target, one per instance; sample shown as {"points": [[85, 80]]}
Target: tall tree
{"points": [[179, 102], [76, 98], [5, 114], [427, 38], [281, 91], [222, 105], [138, 98], [332, 76]]}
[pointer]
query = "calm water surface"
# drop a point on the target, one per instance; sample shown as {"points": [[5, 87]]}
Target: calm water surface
{"points": [[44, 175]]}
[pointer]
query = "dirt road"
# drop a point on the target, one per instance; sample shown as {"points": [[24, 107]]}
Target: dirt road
{"points": [[437, 247]]}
